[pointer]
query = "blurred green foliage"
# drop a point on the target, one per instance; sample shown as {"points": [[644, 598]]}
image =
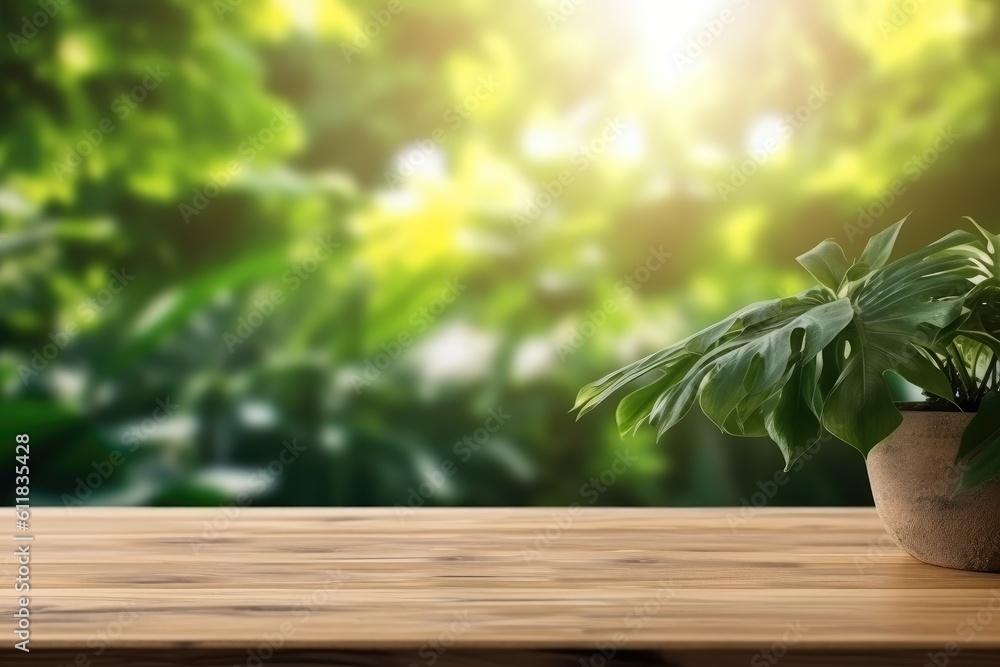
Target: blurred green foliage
{"points": [[349, 231]]}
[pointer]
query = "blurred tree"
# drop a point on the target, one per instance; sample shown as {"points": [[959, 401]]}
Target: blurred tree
{"points": [[301, 250]]}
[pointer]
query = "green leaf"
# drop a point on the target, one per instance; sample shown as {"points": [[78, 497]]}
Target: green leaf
{"points": [[879, 247], [984, 429], [860, 409], [636, 407], [899, 308], [673, 405], [985, 467], [936, 251], [980, 448], [795, 367], [760, 364], [793, 424], [984, 303], [858, 271], [748, 419], [596, 392], [746, 317], [992, 246], [827, 264]]}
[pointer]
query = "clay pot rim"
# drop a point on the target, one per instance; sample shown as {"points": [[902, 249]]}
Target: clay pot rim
{"points": [[909, 408]]}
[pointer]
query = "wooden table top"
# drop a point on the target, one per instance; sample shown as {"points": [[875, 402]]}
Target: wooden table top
{"points": [[668, 579]]}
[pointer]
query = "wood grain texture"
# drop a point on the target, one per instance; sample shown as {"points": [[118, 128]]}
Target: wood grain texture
{"points": [[450, 581], [488, 658]]}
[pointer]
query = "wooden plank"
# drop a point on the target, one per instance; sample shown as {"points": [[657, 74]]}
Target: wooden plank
{"points": [[484, 658], [451, 581]]}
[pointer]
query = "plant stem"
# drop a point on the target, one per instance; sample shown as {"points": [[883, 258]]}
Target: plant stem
{"points": [[968, 385]]}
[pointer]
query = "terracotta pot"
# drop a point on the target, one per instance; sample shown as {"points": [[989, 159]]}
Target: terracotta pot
{"points": [[913, 479]]}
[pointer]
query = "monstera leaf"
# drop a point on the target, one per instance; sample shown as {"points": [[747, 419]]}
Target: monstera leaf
{"points": [[895, 309], [980, 449], [798, 367]]}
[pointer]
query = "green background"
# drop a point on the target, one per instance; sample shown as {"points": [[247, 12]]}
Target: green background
{"points": [[349, 231]]}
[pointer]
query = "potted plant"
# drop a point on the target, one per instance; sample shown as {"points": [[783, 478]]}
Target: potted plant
{"points": [[797, 368]]}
